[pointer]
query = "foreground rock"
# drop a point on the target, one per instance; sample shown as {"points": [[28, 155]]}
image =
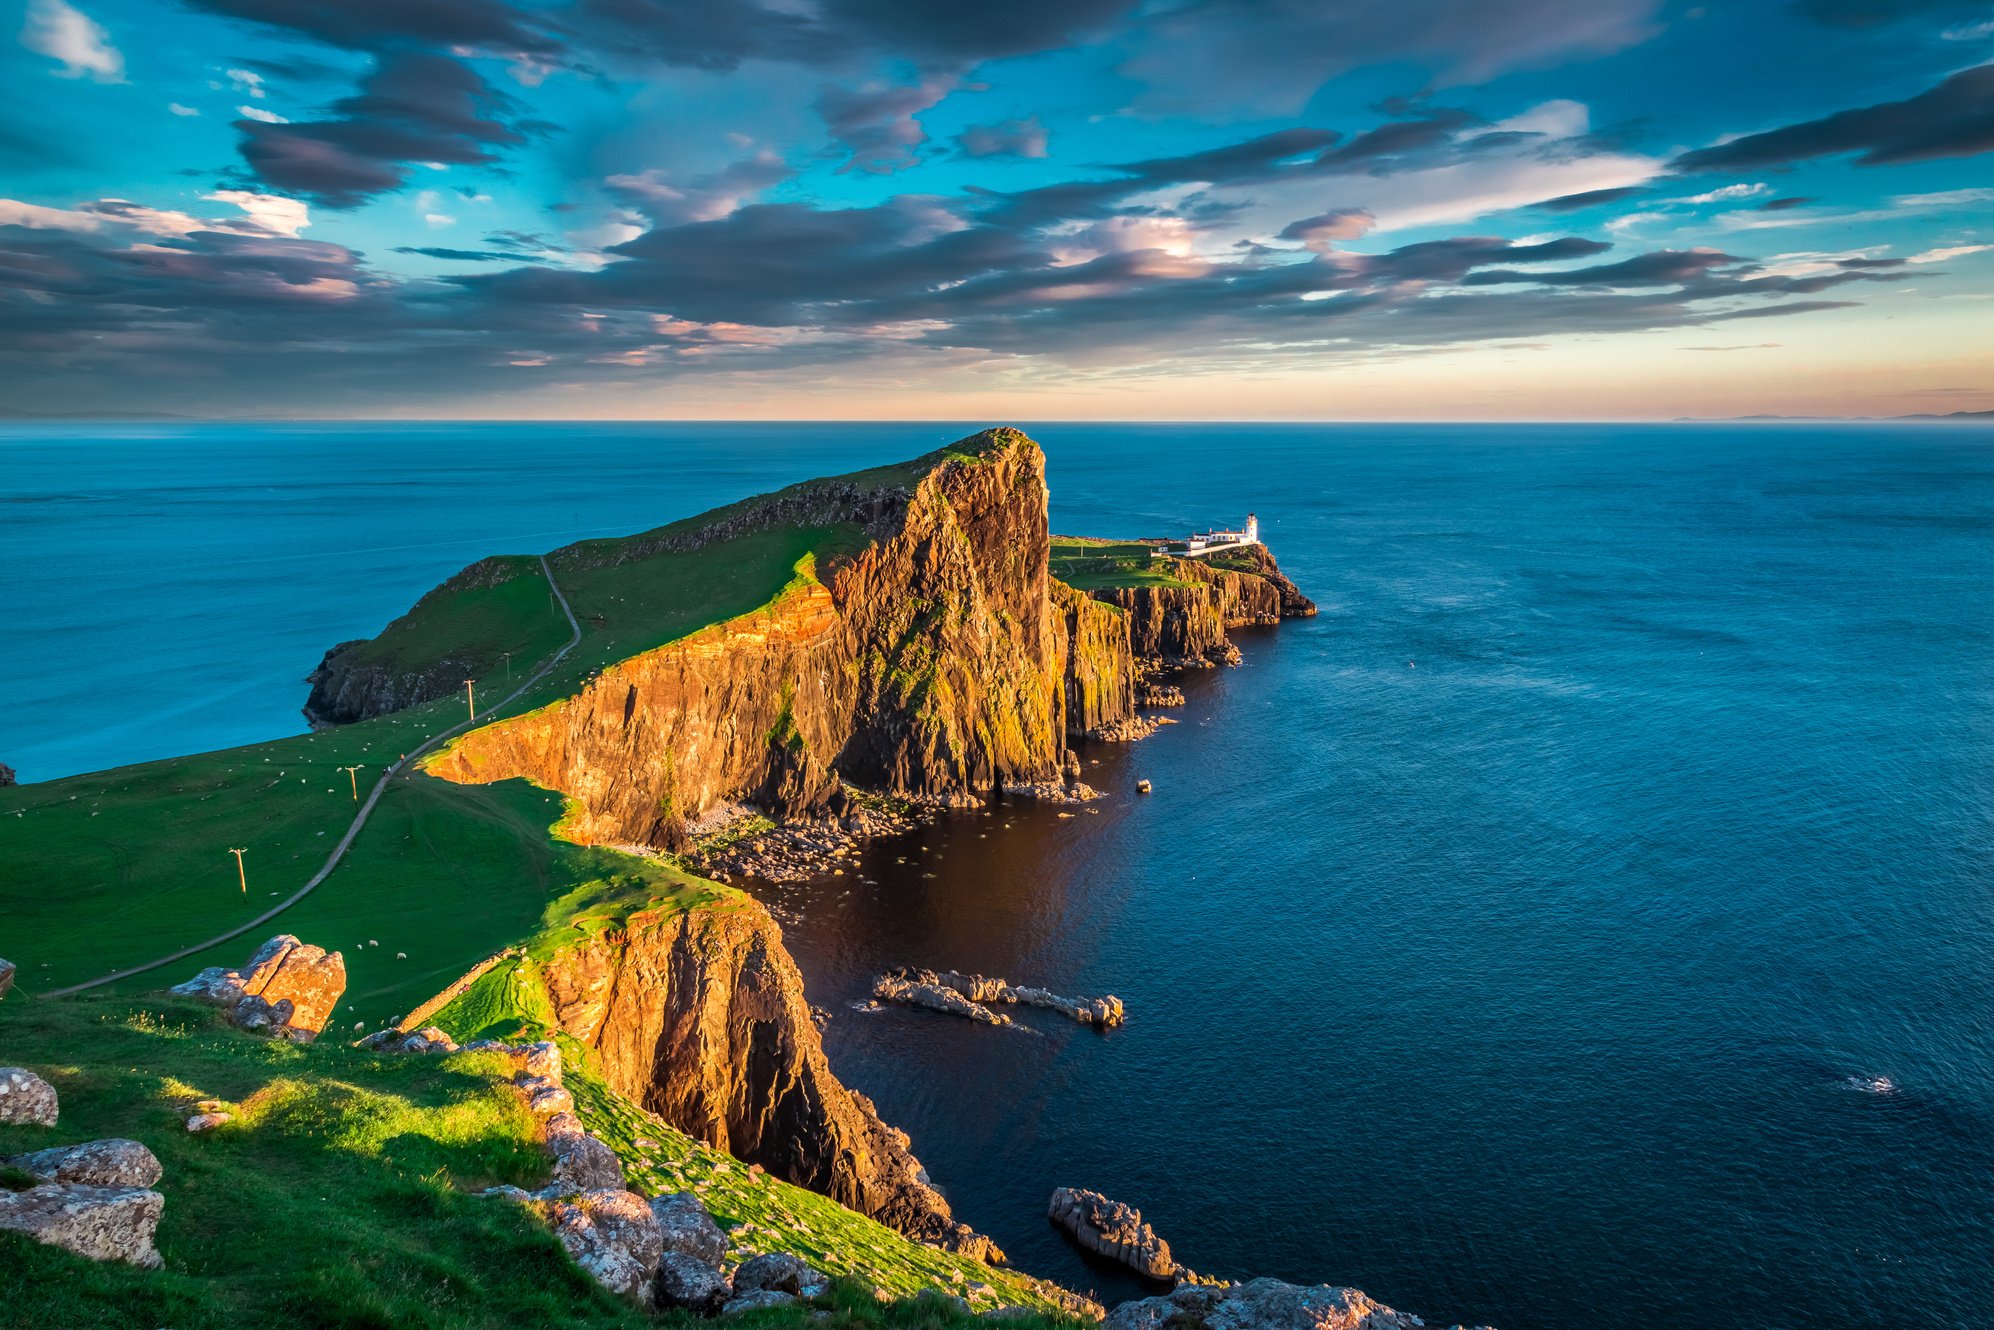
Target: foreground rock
{"points": [[112, 1163], [1260, 1304], [960, 995], [779, 1272], [685, 1226], [689, 1284], [288, 990], [610, 1233], [1111, 1229], [7, 776], [26, 1098], [101, 1223]]}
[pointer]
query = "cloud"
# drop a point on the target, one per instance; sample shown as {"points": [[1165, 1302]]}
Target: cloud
{"points": [[705, 198], [1587, 199], [177, 109], [1006, 138], [1784, 204], [465, 255], [1728, 194], [267, 212], [66, 34], [246, 80], [875, 122], [257, 113], [1948, 252], [382, 25], [411, 108], [1954, 119], [1324, 229], [1875, 13]]}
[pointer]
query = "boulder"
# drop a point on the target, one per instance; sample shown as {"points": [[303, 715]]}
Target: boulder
{"points": [[685, 1226], [544, 1059], [111, 1163], [779, 1272], [610, 1233], [1260, 1304], [102, 1223], [581, 1162], [759, 1300], [688, 1283], [1111, 1229], [7, 776], [6, 976], [289, 989], [26, 1098]]}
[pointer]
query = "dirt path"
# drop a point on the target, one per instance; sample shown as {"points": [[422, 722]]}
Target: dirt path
{"points": [[359, 819]]}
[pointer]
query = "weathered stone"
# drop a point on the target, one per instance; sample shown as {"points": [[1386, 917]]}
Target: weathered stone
{"points": [[759, 1300], [109, 1163], [102, 1223], [1111, 1229], [6, 976], [689, 1283], [544, 1059], [1261, 1304], [686, 1226], [288, 990], [782, 1273], [198, 1122], [7, 776], [610, 1233], [581, 1162], [26, 1098], [907, 987]]}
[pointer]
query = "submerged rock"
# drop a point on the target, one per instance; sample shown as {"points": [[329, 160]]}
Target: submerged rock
{"points": [[1260, 1304], [1111, 1229], [26, 1098], [101, 1223]]}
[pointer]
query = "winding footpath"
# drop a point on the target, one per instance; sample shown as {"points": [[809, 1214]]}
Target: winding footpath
{"points": [[360, 818]]}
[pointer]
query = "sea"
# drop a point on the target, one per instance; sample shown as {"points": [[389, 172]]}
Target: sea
{"points": [[1585, 923]]}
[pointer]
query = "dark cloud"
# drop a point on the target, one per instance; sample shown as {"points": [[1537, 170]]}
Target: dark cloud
{"points": [[412, 108], [702, 198], [1954, 119], [1782, 204], [465, 255], [875, 123], [1667, 267], [1006, 138], [1393, 146], [1324, 229], [375, 25], [1587, 199]]}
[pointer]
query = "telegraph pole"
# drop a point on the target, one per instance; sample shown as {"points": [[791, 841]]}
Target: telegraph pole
{"points": [[239, 871], [352, 775], [471, 698]]}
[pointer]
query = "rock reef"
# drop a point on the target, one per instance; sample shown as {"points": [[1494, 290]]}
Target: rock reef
{"points": [[1111, 1229], [972, 995]]}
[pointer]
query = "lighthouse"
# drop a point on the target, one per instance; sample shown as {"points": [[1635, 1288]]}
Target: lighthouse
{"points": [[1252, 529]]}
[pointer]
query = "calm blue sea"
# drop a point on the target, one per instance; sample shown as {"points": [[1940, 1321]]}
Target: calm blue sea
{"points": [[1586, 923]]}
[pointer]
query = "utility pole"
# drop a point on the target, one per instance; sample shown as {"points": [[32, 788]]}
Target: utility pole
{"points": [[239, 871], [508, 663], [352, 775], [471, 698]]}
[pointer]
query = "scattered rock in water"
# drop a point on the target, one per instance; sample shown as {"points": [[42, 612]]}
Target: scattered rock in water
{"points": [[1260, 1304], [109, 1163], [26, 1098], [688, 1283], [288, 990], [685, 1226], [101, 1223], [971, 995], [1111, 1229], [610, 1234]]}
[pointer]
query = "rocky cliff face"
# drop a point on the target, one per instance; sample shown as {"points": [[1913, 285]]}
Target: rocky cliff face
{"points": [[1178, 626], [700, 1017], [931, 663]]}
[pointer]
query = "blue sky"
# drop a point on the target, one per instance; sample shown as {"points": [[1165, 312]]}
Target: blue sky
{"points": [[887, 208]]}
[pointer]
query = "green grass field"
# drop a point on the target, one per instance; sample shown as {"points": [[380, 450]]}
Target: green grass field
{"points": [[1089, 565], [339, 1195]]}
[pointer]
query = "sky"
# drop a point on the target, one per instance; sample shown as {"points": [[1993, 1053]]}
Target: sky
{"points": [[1040, 209]]}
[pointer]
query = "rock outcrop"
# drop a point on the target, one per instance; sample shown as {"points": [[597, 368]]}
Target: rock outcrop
{"points": [[699, 1016], [288, 990], [26, 1098], [7, 776], [101, 1223], [970, 995], [1111, 1229], [1178, 627], [6, 977], [108, 1163], [1260, 1304], [610, 1234]]}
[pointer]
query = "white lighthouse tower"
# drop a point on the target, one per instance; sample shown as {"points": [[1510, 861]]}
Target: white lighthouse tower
{"points": [[1252, 529]]}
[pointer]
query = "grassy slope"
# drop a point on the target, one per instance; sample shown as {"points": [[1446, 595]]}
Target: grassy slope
{"points": [[1089, 565], [477, 624], [339, 1195]]}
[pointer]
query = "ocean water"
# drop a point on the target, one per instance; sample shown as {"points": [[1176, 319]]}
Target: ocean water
{"points": [[1588, 921]]}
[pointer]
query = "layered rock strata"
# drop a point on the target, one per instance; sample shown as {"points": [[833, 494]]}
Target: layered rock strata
{"points": [[1111, 1229], [288, 990]]}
